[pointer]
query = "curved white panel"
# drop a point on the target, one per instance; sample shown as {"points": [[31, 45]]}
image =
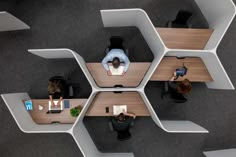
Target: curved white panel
{"points": [[9, 22]]}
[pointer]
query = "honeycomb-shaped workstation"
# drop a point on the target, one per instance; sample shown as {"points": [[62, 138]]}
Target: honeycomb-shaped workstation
{"points": [[203, 53]]}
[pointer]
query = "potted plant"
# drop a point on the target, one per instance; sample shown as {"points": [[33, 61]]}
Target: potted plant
{"points": [[74, 112]]}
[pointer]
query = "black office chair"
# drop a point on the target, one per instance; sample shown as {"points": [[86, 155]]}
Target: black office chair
{"points": [[176, 97], [182, 20], [116, 42], [123, 135], [69, 89]]}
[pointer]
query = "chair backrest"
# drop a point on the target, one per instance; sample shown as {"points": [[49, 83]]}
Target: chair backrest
{"points": [[178, 98], [182, 18], [123, 135], [116, 42]]}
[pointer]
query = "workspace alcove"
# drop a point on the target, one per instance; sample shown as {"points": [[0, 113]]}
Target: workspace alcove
{"points": [[136, 49], [39, 119], [97, 112]]}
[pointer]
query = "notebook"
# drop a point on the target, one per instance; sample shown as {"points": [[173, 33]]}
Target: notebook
{"points": [[117, 71], [57, 107], [117, 109]]}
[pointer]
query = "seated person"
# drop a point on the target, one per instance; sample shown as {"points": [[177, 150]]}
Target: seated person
{"points": [[182, 87], [56, 89], [116, 56], [122, 122]]}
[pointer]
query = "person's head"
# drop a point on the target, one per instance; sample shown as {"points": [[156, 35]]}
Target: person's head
{"points": [[116, 62], [53, 87], [120, 117], [184, 86]]}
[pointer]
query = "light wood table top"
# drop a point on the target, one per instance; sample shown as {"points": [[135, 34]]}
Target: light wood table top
{"points": [[102, 100], [197, 71], [185, 38], [132, 78], [41, 116]]}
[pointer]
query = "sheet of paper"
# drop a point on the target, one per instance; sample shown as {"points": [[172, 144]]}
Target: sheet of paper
{"points": [[117, 109], [117, 71]]}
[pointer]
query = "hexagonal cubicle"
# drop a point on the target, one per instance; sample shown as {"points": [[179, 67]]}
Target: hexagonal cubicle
{"points": [[96, 111], [136, 18], [38, 120]]}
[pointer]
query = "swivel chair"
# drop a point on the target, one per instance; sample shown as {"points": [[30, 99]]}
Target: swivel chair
{"points": [[176, 97], [182, 20], [69, 89], [116, 42]]}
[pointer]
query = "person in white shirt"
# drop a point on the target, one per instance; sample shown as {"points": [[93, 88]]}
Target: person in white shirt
{"points": [[116, 56]]}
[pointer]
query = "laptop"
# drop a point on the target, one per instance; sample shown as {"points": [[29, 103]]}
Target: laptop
{"points": [[118, 71], [117, 109], [56, 108]]}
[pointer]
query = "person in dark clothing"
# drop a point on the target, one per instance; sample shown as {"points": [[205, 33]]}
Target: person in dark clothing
{"points": [[56, 89], [122, 122], [181, 87]]}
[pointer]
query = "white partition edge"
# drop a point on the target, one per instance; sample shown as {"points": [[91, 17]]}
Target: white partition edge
{"points": [[170, 126], [221, 153], [219, 17], [9, 22], [182, 126], [14, 102], [139, 18], [214, 66], [52, 53], [87, 146], [65, 53]]}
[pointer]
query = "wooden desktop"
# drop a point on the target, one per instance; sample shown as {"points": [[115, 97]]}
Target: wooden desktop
{"points": [[185, 38], [102, 100], [42, 117], [197, 71], [132, 78]]}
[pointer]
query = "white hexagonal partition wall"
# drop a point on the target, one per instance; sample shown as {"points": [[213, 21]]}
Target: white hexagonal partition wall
{"points": [[224, 11], [10, 22]]}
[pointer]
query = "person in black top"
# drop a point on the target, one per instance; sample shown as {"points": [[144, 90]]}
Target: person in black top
{"points": [[56, 89], [181, 87], [122, 122]]}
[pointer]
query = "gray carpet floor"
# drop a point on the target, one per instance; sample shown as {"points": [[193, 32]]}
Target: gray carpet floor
{"points": [[77, 25]]}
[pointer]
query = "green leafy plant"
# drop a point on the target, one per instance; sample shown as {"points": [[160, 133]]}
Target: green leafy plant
{"points": [[74, 112]]}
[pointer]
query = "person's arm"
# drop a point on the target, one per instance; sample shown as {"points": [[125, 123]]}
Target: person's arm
{"points": [[129, 114], [173, 77], [105, 60], [172, 84], [127, 62], [59, 101], [51, 99]]}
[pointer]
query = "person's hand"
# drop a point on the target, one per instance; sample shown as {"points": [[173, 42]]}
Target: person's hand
{"points": [[53, 104], [109, 72], [123, 111], [123, 73], [174, 74], [58, 103]]}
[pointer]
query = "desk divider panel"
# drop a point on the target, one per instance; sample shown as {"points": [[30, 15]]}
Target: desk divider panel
{"points": [[219, 14], [221, 153], [178, 126], [87, 146], [213, 64], [9, 22], [65, 53], [23, 119]]}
